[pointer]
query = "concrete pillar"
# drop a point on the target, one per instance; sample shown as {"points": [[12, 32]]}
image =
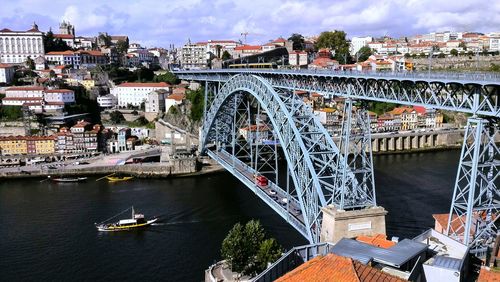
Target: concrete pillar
{"points": [[375, 144], [407, 143], [338, 224], [414, 142], [399, 143], [383, 144], [422, 141], [392, 144]]}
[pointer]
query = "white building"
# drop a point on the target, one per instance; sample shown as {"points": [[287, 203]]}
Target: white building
{"points": [[358, 43], [174, 99], [6, 73], [77, 59], [17, 46], [107, 101], [136, 93], [38, 98], [156, 101], [495, 43], [298, 58], [194, 56]]}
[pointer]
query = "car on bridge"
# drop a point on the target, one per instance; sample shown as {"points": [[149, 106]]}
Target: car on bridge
{"points": [[261, 181]]}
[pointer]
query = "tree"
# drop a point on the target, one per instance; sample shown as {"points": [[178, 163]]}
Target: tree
{"points": [[422, 55], [364, 53], [441, 55], [234, 249], [463, 46], [141, 121], [298, 41], [226, 55], [104, 39], [116, 117], [50, 43], [167, 77], [407, 55], [247, 250], [30, 63], [337, 42], [122, 46], [470, 53], [144, 74], [10, 113], [269, 251], [196, 99], [454, 52]]}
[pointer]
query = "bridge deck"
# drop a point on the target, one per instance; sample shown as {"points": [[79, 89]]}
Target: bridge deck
{"points": [[272, 194]]}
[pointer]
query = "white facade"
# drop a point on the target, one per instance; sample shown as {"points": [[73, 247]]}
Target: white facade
{"points": [[495, 44], [38, 98], [107, 101], [6, 73], [358, 43], [17, 46], [194, 56], [297, 58], [136, 93], [156, 101]]}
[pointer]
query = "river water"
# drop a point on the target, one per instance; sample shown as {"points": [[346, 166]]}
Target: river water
{"points": [[47, 231]]}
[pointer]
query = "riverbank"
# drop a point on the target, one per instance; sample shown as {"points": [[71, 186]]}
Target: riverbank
{"points": [[180, 168], [421, 150]]}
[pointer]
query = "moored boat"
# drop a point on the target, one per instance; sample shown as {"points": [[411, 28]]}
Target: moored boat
{"points": [[117, 179], [69, 179], [137, 221]]}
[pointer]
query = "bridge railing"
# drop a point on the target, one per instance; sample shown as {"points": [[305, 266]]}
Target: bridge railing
{"points": [[454, 76]]}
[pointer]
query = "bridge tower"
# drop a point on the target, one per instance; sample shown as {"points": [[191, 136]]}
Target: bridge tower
{"points": [[476, 198]]}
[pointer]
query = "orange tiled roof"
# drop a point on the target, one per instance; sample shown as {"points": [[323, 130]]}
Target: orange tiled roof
{"points": [[488, 275], [177, 96], [25, 88], [64, 36], [58, 90], [378, 240], [139, 84], [2, 66], [336, 268], [247, 48]]}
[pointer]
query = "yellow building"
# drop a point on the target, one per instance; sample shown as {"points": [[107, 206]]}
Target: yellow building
{"points": [[44, 144], [13, 145], [87, 83]]}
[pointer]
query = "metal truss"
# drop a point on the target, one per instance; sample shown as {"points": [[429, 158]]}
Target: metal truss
{"points": [[355, 145], [441, 92], [314, 161], [476, 198]]}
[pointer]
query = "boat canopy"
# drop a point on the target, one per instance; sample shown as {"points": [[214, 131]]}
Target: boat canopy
{"points": [[127, 221]]}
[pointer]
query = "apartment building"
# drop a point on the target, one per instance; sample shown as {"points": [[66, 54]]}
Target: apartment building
{"points": [[136, 93]]}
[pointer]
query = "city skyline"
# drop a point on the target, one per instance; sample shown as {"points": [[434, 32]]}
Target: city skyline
{"points": [[156, 23]]}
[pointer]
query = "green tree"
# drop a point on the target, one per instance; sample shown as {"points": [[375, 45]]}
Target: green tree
{"points": [[407, 55], [364, 53], [337, 42], [247, 250], [196, 99], [30, 63], [50, 43], [122, 46], [441, 55], [454, 52], [10, 113], [463, 46], [104, 39], [141, 121], [422, 55], [234, 249], [167, 77], [298, 41], [144, 74], [226, 55], [269, 251], [116, 117]]}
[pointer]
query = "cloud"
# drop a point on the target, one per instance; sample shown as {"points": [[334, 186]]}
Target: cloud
{"points": [[160, 23]]}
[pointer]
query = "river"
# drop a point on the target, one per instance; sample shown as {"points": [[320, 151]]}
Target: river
{"points": [[47, 231]]}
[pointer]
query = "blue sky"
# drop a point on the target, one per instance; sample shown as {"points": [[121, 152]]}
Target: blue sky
{"points": [[163, 22]]}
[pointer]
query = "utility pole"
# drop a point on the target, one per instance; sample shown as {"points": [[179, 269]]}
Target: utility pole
{"points": [[244, 34]]}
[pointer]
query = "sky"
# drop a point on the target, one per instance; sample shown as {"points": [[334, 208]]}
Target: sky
{"points": [[158, 23]]}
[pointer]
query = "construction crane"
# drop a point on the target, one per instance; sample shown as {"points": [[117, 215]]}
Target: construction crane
{"points": [[246, 33]]}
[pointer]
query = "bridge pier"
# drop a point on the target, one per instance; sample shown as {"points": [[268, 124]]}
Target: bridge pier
{"points": [[338, 224]]}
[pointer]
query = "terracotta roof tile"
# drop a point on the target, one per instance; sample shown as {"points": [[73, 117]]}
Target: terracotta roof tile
{"points": [[336, 268], [138, 84], [378, 240]]}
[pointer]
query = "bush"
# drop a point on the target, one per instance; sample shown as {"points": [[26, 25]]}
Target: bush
{"points": [[247, 250]]}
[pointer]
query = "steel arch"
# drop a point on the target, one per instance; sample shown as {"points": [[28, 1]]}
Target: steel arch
{"points": [[314, 161]]}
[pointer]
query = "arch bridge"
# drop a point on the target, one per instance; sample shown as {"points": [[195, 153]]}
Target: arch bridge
{"points": [[254, 118]]}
